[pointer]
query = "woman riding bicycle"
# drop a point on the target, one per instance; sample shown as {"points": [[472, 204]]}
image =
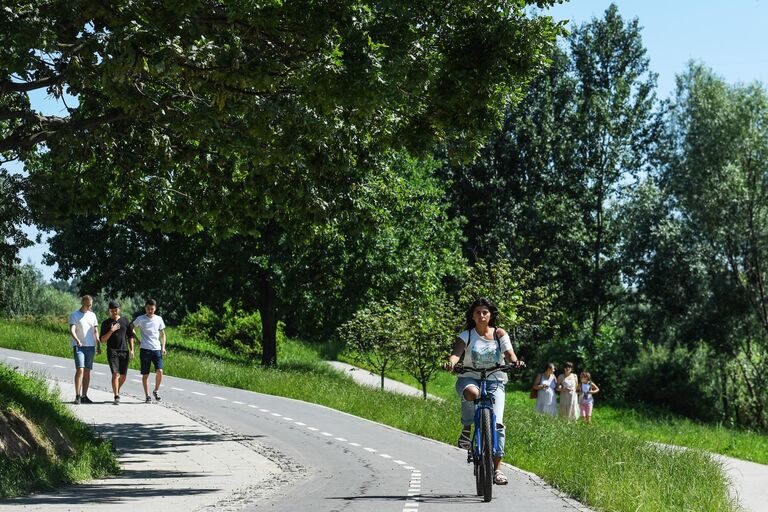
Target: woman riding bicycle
{"points": [[482, 345]]}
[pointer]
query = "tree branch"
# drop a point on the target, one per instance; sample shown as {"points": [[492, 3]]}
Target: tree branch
{"points": [[17, 141], [8, 86]]}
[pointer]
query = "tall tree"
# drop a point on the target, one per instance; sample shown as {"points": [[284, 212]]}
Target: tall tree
{"points": [[251, 119], [616, 126], [695, 238], [541, 191]]}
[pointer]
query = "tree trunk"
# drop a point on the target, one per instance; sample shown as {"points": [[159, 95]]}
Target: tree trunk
{"points": [[424, 388], [598, 282], [268, 311], [383, 369]]}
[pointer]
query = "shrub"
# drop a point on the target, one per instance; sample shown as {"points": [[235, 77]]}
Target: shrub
{"points": [[233, 328], [677, 378], [204, 323]]}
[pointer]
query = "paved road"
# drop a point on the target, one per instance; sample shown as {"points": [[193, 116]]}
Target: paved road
{"points": [[335, 461]]}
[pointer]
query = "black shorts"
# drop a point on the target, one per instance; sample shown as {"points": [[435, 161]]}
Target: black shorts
{"points": [[118, 361]]}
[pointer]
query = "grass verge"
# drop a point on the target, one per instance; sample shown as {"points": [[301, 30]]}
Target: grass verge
{"points": [[645, 422], [605, 469], [63, 450]]}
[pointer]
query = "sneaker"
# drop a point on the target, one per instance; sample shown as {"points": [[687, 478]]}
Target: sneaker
{"points": [[85, 400], [77, 400], [464, 441], [148, 400], [157, 396], [117, 400]]}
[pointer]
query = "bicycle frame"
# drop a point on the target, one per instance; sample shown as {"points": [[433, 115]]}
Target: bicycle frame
{"points": [[484, 401]]}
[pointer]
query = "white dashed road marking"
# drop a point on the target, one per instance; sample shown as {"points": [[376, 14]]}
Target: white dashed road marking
{"points": [[198, 393], [177, 389], [220, 398], [42, 363]]}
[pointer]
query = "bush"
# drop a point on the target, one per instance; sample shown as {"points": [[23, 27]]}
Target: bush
{"points": [[679, 379], [233, 328], [202, 323]]}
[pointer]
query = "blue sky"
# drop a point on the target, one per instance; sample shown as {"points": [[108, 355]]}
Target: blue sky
{"points": [[727, 36]]}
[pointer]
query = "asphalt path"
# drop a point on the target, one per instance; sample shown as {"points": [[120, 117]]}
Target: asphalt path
{"points": [[334, 461]]}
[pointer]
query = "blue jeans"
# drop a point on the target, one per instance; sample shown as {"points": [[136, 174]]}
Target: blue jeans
{"points": [[84, 356], [495, 388]]}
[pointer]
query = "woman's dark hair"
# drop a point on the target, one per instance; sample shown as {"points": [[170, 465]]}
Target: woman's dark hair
{"points": [[482, 301], [550, 365]]}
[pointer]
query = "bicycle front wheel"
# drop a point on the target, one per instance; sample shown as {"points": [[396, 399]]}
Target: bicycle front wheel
{"points": [[486, 454]]}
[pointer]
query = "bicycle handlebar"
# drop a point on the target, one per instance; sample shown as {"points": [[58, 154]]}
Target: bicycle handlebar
{"points": [[488, 371]]}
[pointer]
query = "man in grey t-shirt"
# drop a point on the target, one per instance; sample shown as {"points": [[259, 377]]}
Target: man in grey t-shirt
{"points": [[151, 331]]}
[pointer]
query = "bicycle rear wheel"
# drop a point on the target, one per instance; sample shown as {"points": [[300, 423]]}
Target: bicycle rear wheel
{"points": [[486, 455]]}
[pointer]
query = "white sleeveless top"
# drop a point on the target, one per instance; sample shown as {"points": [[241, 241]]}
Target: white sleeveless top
{"points": [[480, 352]]}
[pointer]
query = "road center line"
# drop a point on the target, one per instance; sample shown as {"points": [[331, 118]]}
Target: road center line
{"points": [[14, 358], [372, 450], [58, 366], [40, 362], [198, 393], [177, 389], [238, 403]]}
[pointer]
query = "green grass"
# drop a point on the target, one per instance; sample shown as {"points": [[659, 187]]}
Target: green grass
{"points": [[598, 465], [645, 422], [30, 397]]}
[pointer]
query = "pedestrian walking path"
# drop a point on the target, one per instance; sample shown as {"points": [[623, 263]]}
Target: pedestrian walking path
{"points": [[178, 463], [749, 482], [368, 378]]}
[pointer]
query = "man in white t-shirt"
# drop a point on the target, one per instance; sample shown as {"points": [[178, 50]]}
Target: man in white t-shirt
{"points": [[84, 338], [151, 331]]}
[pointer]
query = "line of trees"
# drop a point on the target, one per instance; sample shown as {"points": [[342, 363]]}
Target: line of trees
{"points": [[336, 168], [648, 218]]}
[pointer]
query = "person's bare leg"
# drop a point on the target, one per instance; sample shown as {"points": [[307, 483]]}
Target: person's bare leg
{"points": [[158, 379], [115, 384], [78, 381], [120, 383], [86, 380], [145, 383]]}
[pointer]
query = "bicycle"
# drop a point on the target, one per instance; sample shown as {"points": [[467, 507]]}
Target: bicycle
{"points": [[484, 445]]}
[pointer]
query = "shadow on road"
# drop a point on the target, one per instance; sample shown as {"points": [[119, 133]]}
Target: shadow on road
{"points": [[421, 498]]}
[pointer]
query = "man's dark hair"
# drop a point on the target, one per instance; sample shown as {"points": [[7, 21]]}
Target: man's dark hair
{"points": [[151, 302]]}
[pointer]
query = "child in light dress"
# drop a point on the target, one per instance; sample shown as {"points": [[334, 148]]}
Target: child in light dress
{"points": [[587, 389]]}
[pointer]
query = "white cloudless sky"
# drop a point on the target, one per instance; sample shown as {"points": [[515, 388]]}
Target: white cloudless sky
{"points": [[728, 36]]}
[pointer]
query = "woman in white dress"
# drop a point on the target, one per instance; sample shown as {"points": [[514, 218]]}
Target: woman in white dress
{"points": [[545, 383], [567, 386]]}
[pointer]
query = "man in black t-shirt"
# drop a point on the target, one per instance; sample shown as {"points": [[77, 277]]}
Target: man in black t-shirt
{"points": [[117, 332]]}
